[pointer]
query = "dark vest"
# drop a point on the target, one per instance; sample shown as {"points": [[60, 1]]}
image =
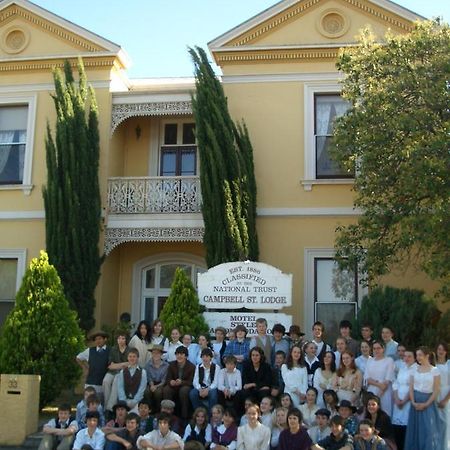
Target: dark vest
{"points": [[201, 374], [65, 425], [98, 365], [200, 437], [131, 383], [322, 351]]}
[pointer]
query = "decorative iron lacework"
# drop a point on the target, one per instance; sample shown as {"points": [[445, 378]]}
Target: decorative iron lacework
{"points": [[124, 111], [117, 236], [154, 195]]}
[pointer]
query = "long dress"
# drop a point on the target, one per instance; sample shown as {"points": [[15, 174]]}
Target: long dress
{"points": [[381, 370], [401, 385], [444, 413], [322, 383], [294, 379], [424, 430]]}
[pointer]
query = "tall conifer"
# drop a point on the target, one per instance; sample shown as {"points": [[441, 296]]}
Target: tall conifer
{"points": [[226, 172], [72, 195]]}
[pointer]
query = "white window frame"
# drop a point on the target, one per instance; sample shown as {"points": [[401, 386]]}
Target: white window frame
{"points": [[310, 91], [21, 255], [310, 254], [30, 101]]}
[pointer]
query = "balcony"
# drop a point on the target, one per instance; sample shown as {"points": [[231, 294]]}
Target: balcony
{"points": [[154, 195]]}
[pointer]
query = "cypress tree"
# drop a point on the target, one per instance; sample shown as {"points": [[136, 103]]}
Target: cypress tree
{"points": [[72, 195], [226, 172]]}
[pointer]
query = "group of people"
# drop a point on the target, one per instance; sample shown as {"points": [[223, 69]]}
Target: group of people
{"points": [[272, 391]]}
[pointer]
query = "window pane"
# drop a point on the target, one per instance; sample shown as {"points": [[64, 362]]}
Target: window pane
{"points": [[170, 134], [149, 303], [11, 163], [13, 118], [161, 303], [8, 277], [168, 162], [330, 314], [150, 279], [332, 284], [325, 166], [328, 107], [188, 162], [5, 308], [188, 133], [167, 273]]}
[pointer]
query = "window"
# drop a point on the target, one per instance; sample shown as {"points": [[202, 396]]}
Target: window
{"points": [[178, 149], [17, 116], [327, 107], [12, 268]]}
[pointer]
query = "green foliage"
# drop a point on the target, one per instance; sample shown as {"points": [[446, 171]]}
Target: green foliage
{"points": [[119, 328], [226, 172], [396, 137], [41, 334], [182, 309], [412, 316], [72, 195]]}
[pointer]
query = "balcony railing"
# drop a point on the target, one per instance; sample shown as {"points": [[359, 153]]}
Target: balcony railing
{"points": [[154, 195]]}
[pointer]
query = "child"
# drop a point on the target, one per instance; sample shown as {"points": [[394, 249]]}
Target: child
{"points": [[309, 408], [127, 437], [322, 347], [219, 346], [330, 400], [162, 437], [338, 438], [59, 432], [345, 329], [205, 381], [312, 363], [199, 429], [239, 347], [93, 405], [193, 348], [120, 411], [367, 437], [286, 401], [390, 346], [277, 377], [347, 412], [262, 339], [295, 336], [146, 420], [224, 436], [216, 415], [91, 435], [173, 344], [82, 404], [280, 424], [280, 343], [266, 407], [322, 429], [229, 382]]}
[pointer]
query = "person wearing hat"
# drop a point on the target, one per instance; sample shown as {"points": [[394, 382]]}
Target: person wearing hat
{"points": [[95, 361], [295, 336], [240, 347], [322, 429], [347, 412], [156, 370], [205, 381], [176, 425], [120, 410], [179, 381], [339, 438]]}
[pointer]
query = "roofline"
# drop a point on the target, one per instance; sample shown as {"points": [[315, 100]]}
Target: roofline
{"points": [[272, 11], [70, 26]]}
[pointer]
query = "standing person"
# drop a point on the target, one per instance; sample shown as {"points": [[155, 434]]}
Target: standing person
{"points": [[311, 361], [173, 344], [295, 436], [94, 361], [142, 341], [60, 431], [345, 330], [157, 336], [402, 403], [224, 436], [296, 336], [254, 435], [379, 375], [193, 348], [279, 342], [424, 430], [161, 438], [262, 339], [203, 344], [363, 358], [387, 335], [295, 376], [348, 381], [156, 370], [443, 400], [318, 330], [239, 347], [341, 346], [277, 377], [367, 437], [367, 333], [219, 346], [325, 376]]}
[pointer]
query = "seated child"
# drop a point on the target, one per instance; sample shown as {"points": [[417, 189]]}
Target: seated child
{"points": [[126, 438], [92, 435], [120, 411], [59, 432], [93, 404], [163, 437], [322, 429], [229, 382], [146, 420], [132, 381], [82, 404]]}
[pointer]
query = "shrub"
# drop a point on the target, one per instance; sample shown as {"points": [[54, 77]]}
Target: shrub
{"points": [[41, 334], [412, 316], [182, 309]]}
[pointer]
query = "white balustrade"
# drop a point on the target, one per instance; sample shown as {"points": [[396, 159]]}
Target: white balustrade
{"points": [[154, 195]]}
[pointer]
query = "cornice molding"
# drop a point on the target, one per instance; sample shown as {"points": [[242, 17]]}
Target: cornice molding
{"points": [[121, 112], [116, 236], [26, 65]]}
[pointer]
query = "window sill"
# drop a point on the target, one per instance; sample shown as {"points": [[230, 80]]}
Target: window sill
{"points": [[26, 188], [308, 184]]}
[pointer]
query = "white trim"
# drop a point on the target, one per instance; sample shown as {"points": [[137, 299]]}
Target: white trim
{"points": [[283, 77], [36, 87], [155, 220], [235, 32], [139, 97], [309, 212], [159, 258], [31, 102], [308, 184], [21, 255], [22, 215], [248, 48]]}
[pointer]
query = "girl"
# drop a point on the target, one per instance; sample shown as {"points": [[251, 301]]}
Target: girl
{"points": [[279, 425], [311, 361], [286, 401], [202, 344], [325, 376], [216, 416], [254, 435], [361, 360], [348, 381], [443, 365], [142, 341], [341, 346], [266, 408], [295, 376], [158, 337], [310, 407], [224, 436], [331, 401], [380, 420], [199, 429], [173, 344]]}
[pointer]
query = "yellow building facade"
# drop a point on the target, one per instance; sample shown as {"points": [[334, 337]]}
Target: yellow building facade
{"points": [[279, 75]]}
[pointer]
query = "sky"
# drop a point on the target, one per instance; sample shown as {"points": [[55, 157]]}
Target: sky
{"points": [[156, 33]]}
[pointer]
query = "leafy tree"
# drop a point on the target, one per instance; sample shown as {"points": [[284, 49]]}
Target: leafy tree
{"points": [[182, 309], [41, 334], [72, 195], [226, 172], [412, 316], [395, 137]]}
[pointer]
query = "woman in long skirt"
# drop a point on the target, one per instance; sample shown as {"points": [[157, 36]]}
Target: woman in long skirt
{"points": [[424, 430]]}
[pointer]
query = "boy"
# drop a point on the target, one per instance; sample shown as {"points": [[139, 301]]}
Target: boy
{"points": [[296, 337], [93, 405], [338, 439], [120, 410], [347, 411], [126, 438], [59, 432], [82, 404], [277, 378], [262, 339], [239, 347], [205, 381], [94, 361], [322, 429], [367, 333], [156, 370], [146, 420], [345, 329], [279, 342], [163, 437], [229, 382], [219, 346], [92, 435], [132, 381], [318, 330]]}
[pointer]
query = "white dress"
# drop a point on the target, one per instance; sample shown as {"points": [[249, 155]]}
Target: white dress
{"points": [[143, 348], [361, 363], [253, 438], [401, 385], [321, 384], [294, 379], [309, 414], [444, 413], [381, 370]]}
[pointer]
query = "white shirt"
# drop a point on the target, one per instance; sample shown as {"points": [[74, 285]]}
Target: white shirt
{"points": [[96, 441], [208, 432], [211, 384], [229, 380], [171, 347], [156, 438], [257, 438]]}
